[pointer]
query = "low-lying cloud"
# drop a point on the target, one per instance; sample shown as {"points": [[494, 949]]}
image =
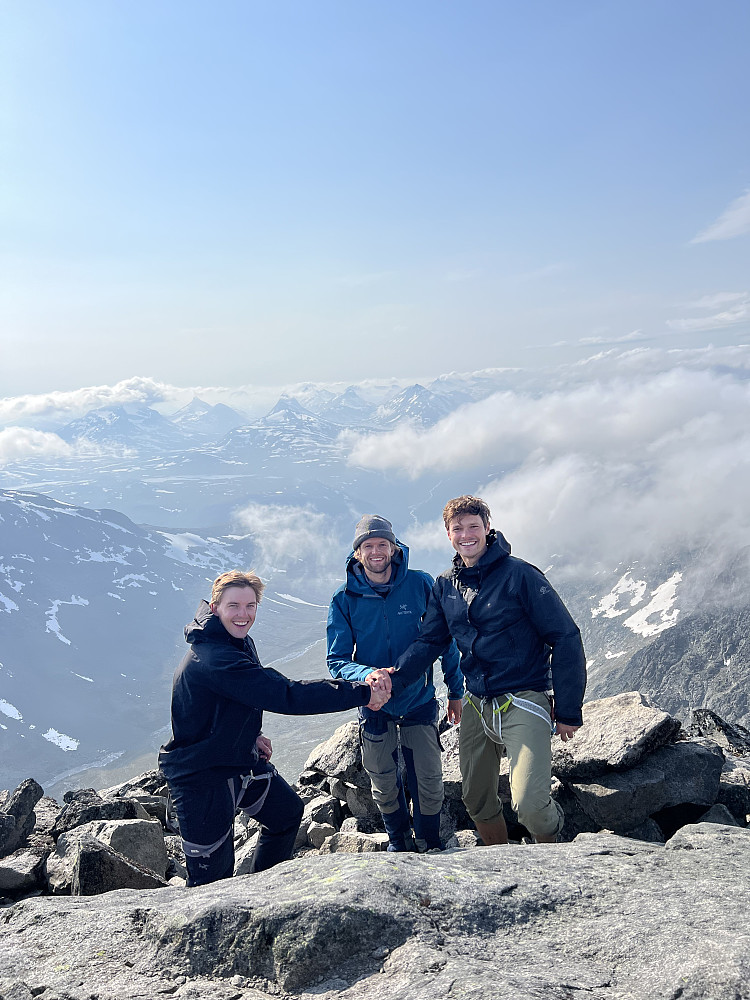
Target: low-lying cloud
{"points": [[612, 471], [291, 538], [25, 442], [63, 406], [733, 308]]}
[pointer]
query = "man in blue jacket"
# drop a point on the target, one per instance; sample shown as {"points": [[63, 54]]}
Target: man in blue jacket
{"points": [[516, 639], [372, 619]]}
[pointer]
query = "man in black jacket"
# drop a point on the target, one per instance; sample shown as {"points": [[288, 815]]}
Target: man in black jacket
{"points": [[217, 760], [516, 638]]}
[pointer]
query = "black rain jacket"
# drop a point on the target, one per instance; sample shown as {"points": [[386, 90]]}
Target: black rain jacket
{"points": [[511, 628], [219, 693]]}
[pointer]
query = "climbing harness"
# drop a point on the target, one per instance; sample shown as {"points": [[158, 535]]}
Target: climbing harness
{"points": [[495, 731], [206, 850]]}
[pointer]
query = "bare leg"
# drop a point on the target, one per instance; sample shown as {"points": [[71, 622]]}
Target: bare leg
{"points": [[493, 832]]}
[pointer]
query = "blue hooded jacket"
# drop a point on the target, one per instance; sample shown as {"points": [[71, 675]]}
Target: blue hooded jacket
{"points": [[367, 631]]}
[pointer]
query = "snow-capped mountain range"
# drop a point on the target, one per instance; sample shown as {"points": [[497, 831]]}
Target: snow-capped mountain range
{"points": [[105, 553]]}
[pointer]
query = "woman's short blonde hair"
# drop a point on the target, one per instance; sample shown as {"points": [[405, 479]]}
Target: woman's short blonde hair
{"points": [[236, 578]]}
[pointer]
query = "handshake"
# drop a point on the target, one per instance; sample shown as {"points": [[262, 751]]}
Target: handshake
{"points": [[380, 687]]}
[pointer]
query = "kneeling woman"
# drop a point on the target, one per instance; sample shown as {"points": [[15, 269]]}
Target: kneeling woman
{"points": [[217, 760]]}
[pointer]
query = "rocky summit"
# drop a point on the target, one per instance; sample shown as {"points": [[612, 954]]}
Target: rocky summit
{"points": [[646, 898], [605, 917]]}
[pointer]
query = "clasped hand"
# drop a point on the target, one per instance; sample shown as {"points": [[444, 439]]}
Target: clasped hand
{"points": [[380, 687]]}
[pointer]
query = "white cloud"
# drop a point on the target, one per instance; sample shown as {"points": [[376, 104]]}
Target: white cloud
{"points": [[20, 443], [64, 406], [17, 443], [53, 409], [719, 299], [734, 221], [286, 535], [626, 338], [599, 473], [737, 310]]}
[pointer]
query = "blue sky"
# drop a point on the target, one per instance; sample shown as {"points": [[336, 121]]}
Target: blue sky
{"points": [[269, 192]]}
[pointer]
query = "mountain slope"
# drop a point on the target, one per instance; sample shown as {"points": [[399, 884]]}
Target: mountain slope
{"points": [[703, 662]]}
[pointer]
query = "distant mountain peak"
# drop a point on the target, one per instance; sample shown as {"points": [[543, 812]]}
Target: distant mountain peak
{"points": [[288, 404]]}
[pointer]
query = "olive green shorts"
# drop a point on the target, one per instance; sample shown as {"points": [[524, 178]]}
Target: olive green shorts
{"points": [[525, 738]]}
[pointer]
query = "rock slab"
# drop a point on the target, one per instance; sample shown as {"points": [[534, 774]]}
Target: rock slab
{"points": [[605, 917]]}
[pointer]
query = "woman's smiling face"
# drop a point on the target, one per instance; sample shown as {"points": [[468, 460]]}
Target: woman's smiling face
{"points": [[236, 610]]}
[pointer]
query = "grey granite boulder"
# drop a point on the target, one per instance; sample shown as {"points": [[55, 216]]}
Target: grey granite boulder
{"points": [[139, 840], [243, 857], [360, 802], [718, 814], [21, 872], [685, 772], [17, 816], [100, 869], [576, 821], [734, 787], [354, 843], [86, 805], [340, 756], [362, 824], [317, 833], [324, 809], [605, 917], [715, 839], [149, 783], [734, 738], [617, 733], [337, 788]]}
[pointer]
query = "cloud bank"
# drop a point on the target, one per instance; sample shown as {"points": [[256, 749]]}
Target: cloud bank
{"points": [[734, 308], [619, 470], [60, 407], [25, 442]]}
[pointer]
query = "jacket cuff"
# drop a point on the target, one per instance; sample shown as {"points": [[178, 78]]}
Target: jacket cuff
{"points": [[366, 692], [567, 721]]}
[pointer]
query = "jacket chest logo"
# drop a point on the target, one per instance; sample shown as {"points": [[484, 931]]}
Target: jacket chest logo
{"points": [[403, 609]]}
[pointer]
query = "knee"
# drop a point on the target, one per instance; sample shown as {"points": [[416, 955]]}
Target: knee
{"points": [[482, 801]]}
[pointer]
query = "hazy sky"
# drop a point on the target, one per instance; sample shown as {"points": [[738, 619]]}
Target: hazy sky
{"points": [[265, 192]]}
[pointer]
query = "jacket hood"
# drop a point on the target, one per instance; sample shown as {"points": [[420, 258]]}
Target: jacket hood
{"points": [[206, 627], [498, 547], [358, 585]]}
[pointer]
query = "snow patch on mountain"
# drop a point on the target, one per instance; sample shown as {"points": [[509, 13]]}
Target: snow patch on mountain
{"points": [[61, 740], [298, 600], [10, 710], [132, 580], [6, 604], [660, 606], [625, 586], [192, 549], [52, 623], [108, 555]]}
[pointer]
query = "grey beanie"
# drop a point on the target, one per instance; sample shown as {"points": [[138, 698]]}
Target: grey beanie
{"points": [[372, 526]]}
